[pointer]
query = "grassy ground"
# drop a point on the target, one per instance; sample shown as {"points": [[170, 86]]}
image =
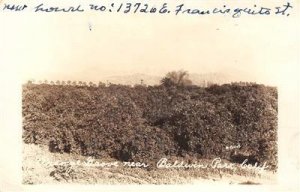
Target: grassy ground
{"points": [[38, 168]]}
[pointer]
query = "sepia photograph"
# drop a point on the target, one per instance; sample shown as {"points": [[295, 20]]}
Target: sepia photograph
{"points": [[149, 93], [182, 129]]}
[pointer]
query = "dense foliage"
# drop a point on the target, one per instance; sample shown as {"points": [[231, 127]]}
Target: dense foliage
{"points": [[146, 123]]}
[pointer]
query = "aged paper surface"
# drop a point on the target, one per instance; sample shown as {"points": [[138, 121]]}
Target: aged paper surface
{"points": [[134, 92]]}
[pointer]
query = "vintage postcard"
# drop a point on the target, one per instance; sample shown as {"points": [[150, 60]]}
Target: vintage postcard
{"points": [[149, 95]]}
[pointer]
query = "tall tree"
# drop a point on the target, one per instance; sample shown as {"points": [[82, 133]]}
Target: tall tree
{"points": [[176, 78]]}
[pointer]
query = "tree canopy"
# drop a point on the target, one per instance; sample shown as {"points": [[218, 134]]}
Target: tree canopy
{"points": [[176, 78]]}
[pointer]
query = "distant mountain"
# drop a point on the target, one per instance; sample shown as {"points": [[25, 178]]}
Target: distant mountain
{"points": [[209, 78], [197, 79], [133, 79]]}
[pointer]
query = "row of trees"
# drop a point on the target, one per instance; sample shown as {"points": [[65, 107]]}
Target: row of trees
{"points": [[175, 78], [73, 83], [145, 123]]}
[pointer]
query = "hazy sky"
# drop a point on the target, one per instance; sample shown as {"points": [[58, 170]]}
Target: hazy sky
{"points": [[56, 46]]}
